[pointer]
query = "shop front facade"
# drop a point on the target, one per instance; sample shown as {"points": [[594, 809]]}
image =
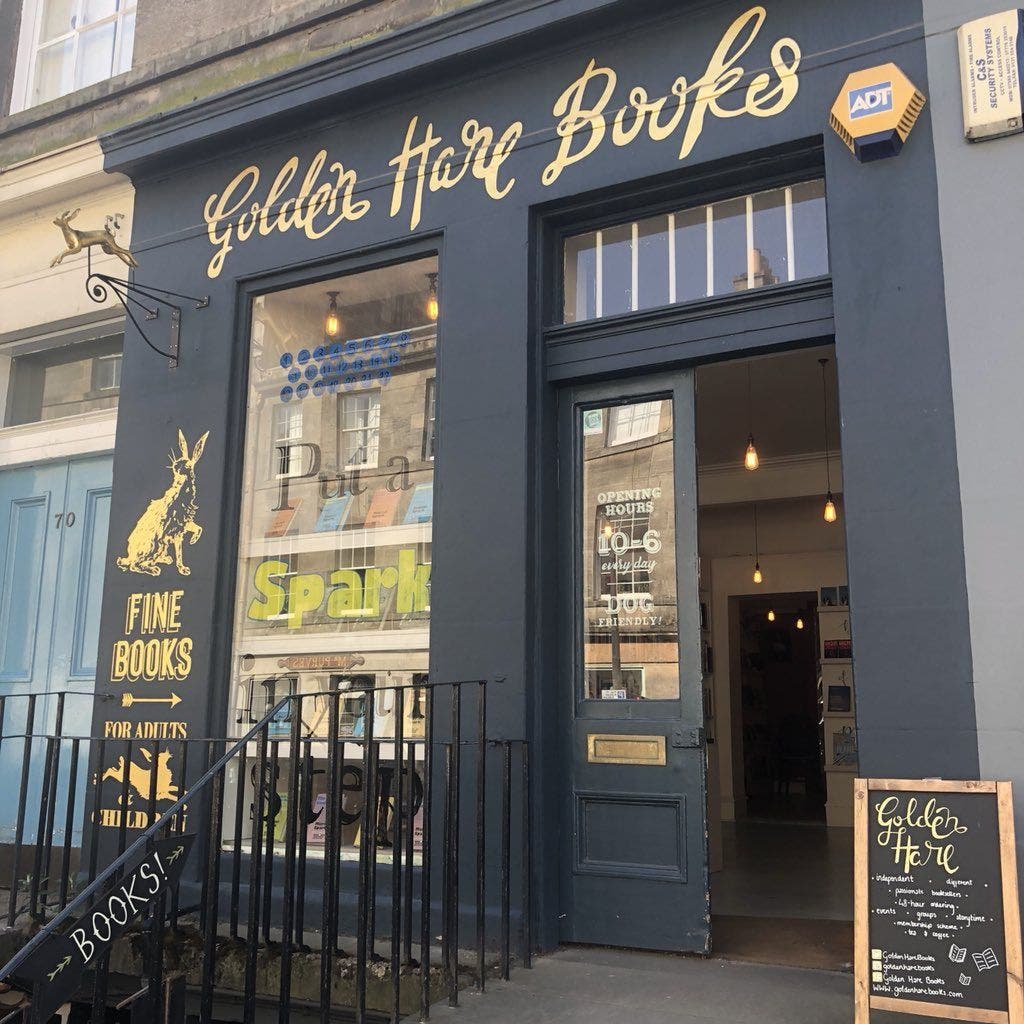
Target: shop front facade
{"points": [[489, 311]]}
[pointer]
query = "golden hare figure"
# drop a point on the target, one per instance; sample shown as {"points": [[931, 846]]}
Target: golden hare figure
{"points": [[169, 519], [78, 240]]}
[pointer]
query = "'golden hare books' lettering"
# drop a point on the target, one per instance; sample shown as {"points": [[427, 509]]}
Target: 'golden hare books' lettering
{"points": [[585, 116], [719, 91]]}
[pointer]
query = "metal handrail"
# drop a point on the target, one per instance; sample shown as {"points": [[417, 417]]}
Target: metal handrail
{"points": [[37, 940], [419, 771]]}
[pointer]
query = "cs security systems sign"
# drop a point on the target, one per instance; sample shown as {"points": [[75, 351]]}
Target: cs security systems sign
{"points": [[875, 111], [991, 57]]}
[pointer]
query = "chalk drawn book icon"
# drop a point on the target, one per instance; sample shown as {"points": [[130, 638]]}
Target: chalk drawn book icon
{"points": [[957, 954], [965, 979], [986, 960], [168, 520]]}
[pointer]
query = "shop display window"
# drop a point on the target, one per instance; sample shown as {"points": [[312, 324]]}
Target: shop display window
{"points": [[630, 642], [753, 241], [333, 589]]}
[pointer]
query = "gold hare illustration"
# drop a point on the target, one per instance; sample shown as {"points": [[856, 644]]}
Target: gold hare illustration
{"points": [[169, 519], [140, 777]]}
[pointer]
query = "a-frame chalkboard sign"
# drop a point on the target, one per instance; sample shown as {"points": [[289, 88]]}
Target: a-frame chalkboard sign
{"points": [[936, 912]]}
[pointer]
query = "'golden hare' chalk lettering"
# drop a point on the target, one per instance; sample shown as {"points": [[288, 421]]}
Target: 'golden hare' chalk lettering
{"points": [[583, 123], [169, 519]]}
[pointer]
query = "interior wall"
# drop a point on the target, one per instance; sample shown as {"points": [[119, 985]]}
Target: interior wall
{"points": [[798, 551]]}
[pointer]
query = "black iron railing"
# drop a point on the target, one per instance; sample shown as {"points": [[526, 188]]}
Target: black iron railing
{"points": [[424, 836]]}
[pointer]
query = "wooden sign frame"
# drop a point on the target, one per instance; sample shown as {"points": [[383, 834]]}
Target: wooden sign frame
{"points": [[864, 1002]]}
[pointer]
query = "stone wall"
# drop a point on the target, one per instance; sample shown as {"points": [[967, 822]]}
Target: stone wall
{"points": [[188, 50]]}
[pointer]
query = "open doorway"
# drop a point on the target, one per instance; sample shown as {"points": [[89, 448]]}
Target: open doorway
{"points": [[783, 763], [779, 697]]}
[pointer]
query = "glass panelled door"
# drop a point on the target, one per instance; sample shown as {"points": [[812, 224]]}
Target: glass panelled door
{"points": [[634, 846]]}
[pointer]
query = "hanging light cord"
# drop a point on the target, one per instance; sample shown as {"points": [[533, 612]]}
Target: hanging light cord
{"points": [[750, 404], [824, 402], [757, 551]]}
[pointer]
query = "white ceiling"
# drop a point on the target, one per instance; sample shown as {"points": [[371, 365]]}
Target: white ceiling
{"points": [[785, 408]]}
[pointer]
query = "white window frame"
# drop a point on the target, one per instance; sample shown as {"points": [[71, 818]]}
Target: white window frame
{"points": [[29, 46], [87, 433], [291, 414], [430, 420], [373, 449], [639, 423], [115, 359]]}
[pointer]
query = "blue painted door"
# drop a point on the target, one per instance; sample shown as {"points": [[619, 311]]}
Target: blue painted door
{"points": [[53, 531]]}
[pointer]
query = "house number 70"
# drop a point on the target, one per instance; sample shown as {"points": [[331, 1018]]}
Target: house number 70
{"points": [[65, 518]]}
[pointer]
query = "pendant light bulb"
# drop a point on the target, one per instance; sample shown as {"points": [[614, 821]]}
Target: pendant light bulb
{"points": [[750, 460], [758, 575], [332, 322], [799, 623], [771, 615], [830, 515], [432, 306]]}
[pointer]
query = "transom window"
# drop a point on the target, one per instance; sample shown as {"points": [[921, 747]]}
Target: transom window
{"points": [[71, 44], [752, 241]]}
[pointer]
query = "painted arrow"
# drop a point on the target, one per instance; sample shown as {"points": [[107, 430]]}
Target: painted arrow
{"points": [[60, 967], [128, 699], [178, 851]]}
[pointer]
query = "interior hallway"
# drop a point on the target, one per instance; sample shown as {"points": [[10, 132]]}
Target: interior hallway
{"points": [[784, 896], [775, 869]]}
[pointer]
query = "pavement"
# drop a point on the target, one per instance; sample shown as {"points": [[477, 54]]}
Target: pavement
{"points": [[585, 985]]}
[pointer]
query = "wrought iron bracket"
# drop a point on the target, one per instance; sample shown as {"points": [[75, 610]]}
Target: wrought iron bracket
{"points": [[99, 287]]}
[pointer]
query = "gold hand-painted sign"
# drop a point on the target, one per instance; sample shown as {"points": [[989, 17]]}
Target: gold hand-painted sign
{"points": [[168, 520], [77, 240], [586, 115], [141, 780]]}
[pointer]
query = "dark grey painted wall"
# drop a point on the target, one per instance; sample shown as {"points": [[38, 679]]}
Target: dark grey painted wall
{"points": [[495, 536]]}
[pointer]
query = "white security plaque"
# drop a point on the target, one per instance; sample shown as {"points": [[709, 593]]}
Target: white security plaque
{"points": [[990, 65]]}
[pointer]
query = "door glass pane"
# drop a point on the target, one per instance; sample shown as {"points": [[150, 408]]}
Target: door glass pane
{"points": [[95, 54], [58, 18], [630, 624], [53, 71]]}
